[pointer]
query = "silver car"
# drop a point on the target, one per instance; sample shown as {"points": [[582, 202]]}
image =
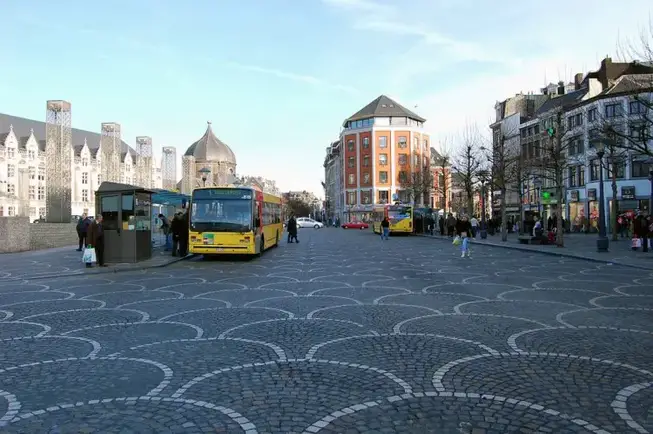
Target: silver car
{"points": [[306, 222]]}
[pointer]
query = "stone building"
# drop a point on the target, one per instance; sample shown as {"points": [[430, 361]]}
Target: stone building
{"points": [[23, 180], [207, 162]]}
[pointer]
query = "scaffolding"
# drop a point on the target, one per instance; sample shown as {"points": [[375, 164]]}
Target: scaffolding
{"points": [[169, 168], [58, 153], [111, 146], [187, 174], [144, 161]]}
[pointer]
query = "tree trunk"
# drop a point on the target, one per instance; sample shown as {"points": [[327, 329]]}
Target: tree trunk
{"points": [[470, 203], [560, 166], [504, 226], [615, 206]]}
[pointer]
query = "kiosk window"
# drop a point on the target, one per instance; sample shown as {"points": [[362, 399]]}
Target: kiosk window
{"points": [[109, 210], [127, 210]]}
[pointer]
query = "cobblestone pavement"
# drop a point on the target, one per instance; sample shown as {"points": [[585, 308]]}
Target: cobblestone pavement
{"points": [[343, 333]]}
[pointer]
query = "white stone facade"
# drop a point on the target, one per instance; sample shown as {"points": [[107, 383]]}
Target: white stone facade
{"points": [[23, 182]]}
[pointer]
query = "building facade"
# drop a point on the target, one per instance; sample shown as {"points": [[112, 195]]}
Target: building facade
{"points": [[383, 146], [207, 162], [580, 115], [442, 190], [23, 168], [333, 182]]}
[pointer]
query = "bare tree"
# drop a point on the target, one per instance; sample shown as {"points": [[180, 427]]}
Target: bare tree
{"points": [[418, 185], [468, 163]]}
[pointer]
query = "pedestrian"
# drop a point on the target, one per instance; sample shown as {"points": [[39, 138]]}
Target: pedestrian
{"points": [[451, 225], [176, 229], [82, 230], [165, 228], [292, 229], [95, 239], [474, 223], [385, 228], [464, 228], [183, 236]]}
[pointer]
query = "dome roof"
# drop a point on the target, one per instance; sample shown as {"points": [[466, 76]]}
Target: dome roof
{"points": [[210, 148]]}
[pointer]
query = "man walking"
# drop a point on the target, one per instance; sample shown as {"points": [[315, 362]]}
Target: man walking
{"points": [[82, 230], [95, 237]]}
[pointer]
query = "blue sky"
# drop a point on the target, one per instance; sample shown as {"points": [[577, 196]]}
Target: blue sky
{"points": [[277, 77]]}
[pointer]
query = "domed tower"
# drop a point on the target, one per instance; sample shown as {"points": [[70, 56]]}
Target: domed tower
{"points": [[207, 162]]}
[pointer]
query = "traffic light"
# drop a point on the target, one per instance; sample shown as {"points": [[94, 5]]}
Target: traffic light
{"points": [[551, 131]]}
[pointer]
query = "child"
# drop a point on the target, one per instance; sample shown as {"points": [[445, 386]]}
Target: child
{"points": [[464, 227], [464, 246]]}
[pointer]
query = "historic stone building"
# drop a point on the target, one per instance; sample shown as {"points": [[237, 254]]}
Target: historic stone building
{"points": [[207, 162], [23, 167]]}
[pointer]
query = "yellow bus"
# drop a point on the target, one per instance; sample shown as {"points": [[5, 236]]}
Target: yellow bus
{"points": [[233, 220], [399, 215]]}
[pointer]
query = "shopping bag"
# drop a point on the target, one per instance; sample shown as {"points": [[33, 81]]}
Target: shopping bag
{"points": [[88, 256], [636, 243], [457, 241]]}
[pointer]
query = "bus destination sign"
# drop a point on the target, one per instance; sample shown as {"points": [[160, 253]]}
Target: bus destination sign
{"points": [[222, 193]]}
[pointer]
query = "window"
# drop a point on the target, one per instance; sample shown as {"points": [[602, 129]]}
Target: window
{"points": [[573, 176], [383, 196], [636, 108], [350, 146], [11, 189], [403, 176], [41, 173], [536, 148], [640, 169], [366, 161], [415, 142], [32, 172], [85, 178], [366, 196], [612, 110], [415, 160], [592, 114], [84, 162], [351, 179], [383, 177], [426, 144], [41, 212], [366, 142], [523, 133], [403, 159], [11, 211], [351, 197], [638, 131], [99, 179], [41, 193], [595, 167], [581, 176], [32, 212], [402, 143], [11, 153], [32, 192], [383, 159], [383, 141], [618, 167], [366, 178], [31, 155], [575, 146], [351, 162], [11, 170], [84, 195]]}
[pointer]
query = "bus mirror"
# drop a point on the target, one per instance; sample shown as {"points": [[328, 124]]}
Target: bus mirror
{"points": [[183, 203]]}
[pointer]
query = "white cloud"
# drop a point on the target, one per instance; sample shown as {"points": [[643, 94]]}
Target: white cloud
{"points": [[308, 79]]}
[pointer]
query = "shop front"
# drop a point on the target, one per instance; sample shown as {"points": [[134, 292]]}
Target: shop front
{"points": [[592, 224], [577, 213]]}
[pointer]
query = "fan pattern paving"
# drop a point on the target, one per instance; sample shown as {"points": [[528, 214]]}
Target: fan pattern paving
{"points": [[342, 333]]}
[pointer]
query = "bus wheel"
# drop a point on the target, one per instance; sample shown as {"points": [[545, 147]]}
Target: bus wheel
{"points": [[262, 247]]}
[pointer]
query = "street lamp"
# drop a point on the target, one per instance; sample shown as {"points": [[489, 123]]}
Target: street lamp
{"points": [[204, 173], [602, 243], [483, 226]]}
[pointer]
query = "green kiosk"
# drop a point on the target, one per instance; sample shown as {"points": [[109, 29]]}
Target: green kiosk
{"points": [[127, 221]]}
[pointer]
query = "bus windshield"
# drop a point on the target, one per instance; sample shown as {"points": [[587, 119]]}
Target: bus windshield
{"points": [[221, 215], [398, 212]]}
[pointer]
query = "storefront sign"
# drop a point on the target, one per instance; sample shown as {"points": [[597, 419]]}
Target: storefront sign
{"points": [[574, 195], [591, 194], [628, 193]]}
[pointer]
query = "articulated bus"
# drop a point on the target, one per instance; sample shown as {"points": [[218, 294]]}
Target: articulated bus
{"points": [[238, 220], [399, 215]]}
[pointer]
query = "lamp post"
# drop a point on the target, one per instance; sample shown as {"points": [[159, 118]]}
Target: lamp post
{"points": [[204, 173], [602, 243], [483, 225]]}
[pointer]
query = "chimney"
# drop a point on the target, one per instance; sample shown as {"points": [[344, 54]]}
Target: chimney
{"points": [[561, 88], [578, 80]]}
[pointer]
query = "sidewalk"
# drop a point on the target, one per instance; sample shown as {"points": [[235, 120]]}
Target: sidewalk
{"points": [[578, 246], [66, 261]]}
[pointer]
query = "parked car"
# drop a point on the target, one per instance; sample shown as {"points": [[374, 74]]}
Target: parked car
{"points": [[306, 222], [355, 225]]}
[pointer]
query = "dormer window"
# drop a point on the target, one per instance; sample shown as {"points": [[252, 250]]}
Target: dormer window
{"points": [[11, 153], [31, 155]]}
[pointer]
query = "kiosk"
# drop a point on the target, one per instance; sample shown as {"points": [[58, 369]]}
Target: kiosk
{"points": [[127, 221]]}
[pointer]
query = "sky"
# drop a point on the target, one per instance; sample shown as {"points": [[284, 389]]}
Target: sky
{"points": [[277, 78]]}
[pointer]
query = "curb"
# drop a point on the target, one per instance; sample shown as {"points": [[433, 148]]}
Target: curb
{"points": [[110, 270], [550, 253]]}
